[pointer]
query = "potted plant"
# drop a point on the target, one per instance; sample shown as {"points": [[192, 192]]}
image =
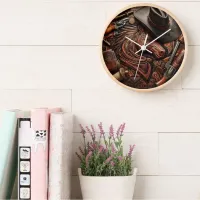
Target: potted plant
{"points": [[105, 173]]}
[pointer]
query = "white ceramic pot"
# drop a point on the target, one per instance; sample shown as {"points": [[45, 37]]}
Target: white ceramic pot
{"points": [[107, 187]]}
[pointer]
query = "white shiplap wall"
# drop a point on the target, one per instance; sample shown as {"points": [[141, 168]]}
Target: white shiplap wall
{"points": [[49, 56]]}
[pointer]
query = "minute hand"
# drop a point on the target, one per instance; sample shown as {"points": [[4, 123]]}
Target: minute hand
{"points": [[158, 37]]}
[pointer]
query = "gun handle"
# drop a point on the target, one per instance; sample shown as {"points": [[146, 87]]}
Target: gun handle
{"points": [[177, 61], [110, 28]]}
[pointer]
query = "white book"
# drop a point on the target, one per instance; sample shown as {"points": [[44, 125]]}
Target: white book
{"points": [[60, 155], [24, 158]]}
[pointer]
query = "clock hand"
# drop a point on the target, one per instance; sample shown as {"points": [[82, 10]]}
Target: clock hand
{"points": [[133, 41], [145, 40], [139, 51], [158, 37], [143, 47], [153, 41], [138, 65], [146, 50], [137, 44]]}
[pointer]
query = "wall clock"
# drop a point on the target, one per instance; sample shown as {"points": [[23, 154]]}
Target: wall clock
{"points": [[144, 47]]}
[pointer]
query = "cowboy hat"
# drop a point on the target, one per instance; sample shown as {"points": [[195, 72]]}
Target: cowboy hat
{"points": [[157, 22]]}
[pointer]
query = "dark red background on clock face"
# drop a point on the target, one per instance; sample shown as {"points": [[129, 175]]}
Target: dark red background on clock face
{"points": [[122, 62]]}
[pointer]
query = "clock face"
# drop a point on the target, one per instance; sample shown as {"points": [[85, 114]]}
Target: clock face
{"points": [[143, 47]]}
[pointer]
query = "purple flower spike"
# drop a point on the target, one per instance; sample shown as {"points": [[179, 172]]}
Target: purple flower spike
{"points": [[118, 130], [113, 148], [93, 146], [111, 132], [120, 158], [93, 131], [101, 148], [112, 163], [131, 150], [89, 131], [82, 130], [106, 150], [108, 159], [78, 156], [122, 128], [87, 158], [101, 129], [81, 150]]}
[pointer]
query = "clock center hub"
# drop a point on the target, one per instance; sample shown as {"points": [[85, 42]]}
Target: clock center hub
{"points": [[143, 47]]}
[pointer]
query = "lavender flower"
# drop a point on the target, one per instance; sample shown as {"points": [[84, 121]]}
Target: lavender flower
{"points": [[113, 148], [102, 133], [90, 132], [112, 163], [122, 129], [82, 130], [101, 148], [93, 131], [118, 130], [81, 150], [120, 158], [131, 150], [78, 156], [88, 145], [106, 152], [87, 158], [108, 159], [93, 146], [111, 132], [101, 129]]}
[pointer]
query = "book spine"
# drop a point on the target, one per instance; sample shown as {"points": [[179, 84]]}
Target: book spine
{"points": [[33, 152], [39, 154], [60, 150], [50, 111], [24, 158], [8, 153]]}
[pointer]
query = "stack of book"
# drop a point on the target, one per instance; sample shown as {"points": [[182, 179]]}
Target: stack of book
{"points": [[38, 151]]}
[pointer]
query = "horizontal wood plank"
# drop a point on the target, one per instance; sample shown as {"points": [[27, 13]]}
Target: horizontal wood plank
{"points": [[158, 188], [167, 188], [55, 22], [50, 67], [60, 22], [29, 99], [191, 73], [179, 153], [161, 111]]}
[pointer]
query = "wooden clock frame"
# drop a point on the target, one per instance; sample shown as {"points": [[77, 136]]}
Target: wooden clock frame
{"points": [[182, 64]]}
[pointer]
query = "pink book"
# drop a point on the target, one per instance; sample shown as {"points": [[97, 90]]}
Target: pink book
{"points": [[39, 154], [33, 154]]}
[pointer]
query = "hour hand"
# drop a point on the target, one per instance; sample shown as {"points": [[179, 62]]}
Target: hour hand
{"points": [[133, 41], [141, 47]]}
